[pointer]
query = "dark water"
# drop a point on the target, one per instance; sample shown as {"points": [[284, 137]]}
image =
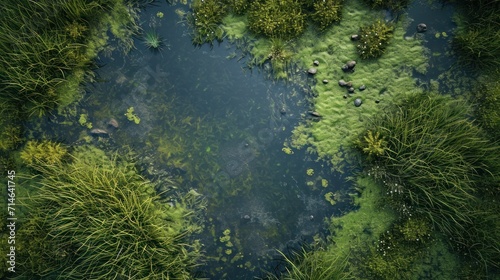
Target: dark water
{"points": [[214, 125]]}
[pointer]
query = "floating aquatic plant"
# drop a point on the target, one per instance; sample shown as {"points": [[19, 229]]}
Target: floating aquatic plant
{"points": [[153, 40]]}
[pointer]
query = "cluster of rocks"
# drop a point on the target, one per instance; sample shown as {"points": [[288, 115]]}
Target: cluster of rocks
{"points": [[351, 90], [112, 124], [347, 68]]}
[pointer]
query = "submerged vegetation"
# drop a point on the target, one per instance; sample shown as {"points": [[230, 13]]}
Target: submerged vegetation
{"points": [[96, 217]]}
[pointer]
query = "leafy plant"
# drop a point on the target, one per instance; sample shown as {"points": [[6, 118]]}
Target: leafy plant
{"points": [[372, 144], [206, 18]]}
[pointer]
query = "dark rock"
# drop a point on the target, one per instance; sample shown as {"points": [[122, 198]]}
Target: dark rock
{"points": [[113, 123], [377, 101], [345, 68], [315, 114], [283, 110], [351, 64], [354, 37], [357, 102], [312, 71], [362, 87], [342, 83], [348, 84], [316, 63], [345, 96], [325, 81], [350, 90], [99, 132], [421, 27]]}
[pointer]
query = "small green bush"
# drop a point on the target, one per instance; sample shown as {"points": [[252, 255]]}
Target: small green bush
{"points": [[282, 19], [373, 39], [206, 18], [326, 12]]}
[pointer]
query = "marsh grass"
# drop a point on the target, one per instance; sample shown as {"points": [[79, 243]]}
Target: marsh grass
{"points": [[43, 43], [97, 218], [477, 38], [438, 163], [318, 264]]}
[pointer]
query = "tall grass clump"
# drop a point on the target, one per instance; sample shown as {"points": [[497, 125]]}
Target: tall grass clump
{"points": [[477, 38], [436, 163], [44, 42], [96, 218], [318, 264]]}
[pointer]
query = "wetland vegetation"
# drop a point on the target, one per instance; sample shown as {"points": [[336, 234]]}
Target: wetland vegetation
{"points": [[141, 158]]}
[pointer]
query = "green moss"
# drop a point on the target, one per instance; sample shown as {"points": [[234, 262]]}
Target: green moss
{"points": [[361, 228]]}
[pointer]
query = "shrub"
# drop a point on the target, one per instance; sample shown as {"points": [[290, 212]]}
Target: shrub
{"points": [[282, 19], [206, 18], [373, 39], [326, 12]]}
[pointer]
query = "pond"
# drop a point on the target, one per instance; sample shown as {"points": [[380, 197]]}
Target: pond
{"points": [[202, 118]]}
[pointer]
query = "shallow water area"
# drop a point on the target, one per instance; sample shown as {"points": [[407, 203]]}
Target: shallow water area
{"points": [[201, 117]]}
